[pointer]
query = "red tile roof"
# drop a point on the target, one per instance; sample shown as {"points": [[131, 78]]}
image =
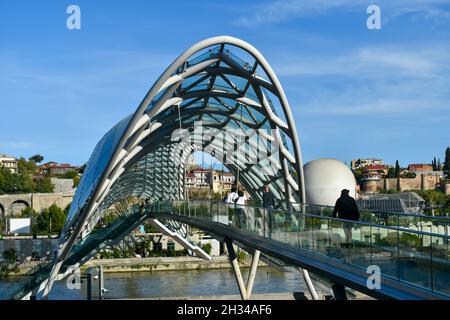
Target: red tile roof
{"points": [[376, 167]]}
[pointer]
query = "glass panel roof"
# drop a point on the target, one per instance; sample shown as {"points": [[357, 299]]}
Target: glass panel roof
{"points": [[213, 101]]}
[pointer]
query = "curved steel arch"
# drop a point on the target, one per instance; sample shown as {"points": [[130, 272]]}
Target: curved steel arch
{"points": [[208, 82]]}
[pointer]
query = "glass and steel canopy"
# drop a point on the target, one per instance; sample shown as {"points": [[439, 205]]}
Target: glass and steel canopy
{"points": [[220, 96]]}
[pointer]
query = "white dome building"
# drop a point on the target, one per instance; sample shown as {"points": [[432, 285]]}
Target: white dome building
{"points": [[324, 180]]}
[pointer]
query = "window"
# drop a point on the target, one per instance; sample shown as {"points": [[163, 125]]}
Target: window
{"points": [[157, 246]]}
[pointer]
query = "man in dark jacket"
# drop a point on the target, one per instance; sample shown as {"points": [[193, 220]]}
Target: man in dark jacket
{"points": [[346, 208], [269, 204], [268, 198]]}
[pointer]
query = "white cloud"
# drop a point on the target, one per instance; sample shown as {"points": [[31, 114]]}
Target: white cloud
{"points": [[284, 10], [378, 80], [370, 62], [350, 106]]}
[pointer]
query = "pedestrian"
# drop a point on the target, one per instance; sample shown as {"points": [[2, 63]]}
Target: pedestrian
{"points": [[232, 196], [268, 198], [269, 204], [240, 202], [346, 208]]}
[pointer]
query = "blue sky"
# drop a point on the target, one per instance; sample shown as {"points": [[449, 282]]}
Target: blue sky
{"points": [[354, 92]]}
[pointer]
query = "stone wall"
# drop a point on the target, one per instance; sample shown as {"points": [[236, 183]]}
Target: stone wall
{"points": [[420, 182], [42, 201], [44, 247], [62, 185], [37, 201]]}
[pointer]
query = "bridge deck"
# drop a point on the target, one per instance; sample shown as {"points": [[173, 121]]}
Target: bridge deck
{"points": [[413, 264], [411, 268]]}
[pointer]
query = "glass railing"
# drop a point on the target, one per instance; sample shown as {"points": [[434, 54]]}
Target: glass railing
{"points": [[419, 222], [98, 236], [420, 258]]}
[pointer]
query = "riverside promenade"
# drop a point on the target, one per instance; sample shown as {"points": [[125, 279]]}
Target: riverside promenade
{"points": [[164, 264]]}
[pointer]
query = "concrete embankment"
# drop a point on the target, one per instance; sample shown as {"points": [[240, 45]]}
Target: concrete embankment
{"points": [[260, 296], [164, 264]]}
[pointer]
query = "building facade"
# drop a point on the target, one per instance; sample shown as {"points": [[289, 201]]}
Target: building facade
{"points": [[54, 168], [9, 162], [420, 167], [198, 178], [217, 181], [361, 163], [221, 181]]}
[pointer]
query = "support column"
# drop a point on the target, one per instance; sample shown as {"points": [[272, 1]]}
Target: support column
{"points": [[100, 283], [309, 284], [339, 292], [245, 291], [51, 279], [237, 271], [89, 285], [252, 274]]}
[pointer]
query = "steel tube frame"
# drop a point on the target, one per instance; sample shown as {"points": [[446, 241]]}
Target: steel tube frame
{"points": [[140, 126]]}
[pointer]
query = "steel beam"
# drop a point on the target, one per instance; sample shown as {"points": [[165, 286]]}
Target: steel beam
{"points": [[237, 270]]}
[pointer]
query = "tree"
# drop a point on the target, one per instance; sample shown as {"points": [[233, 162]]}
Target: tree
{"points": [[5, 179], [51, 220], [207, 248], [397, 174], [447, 160], [28, 212], [44, 185], [397, 169], [24, 181], [76, 181], [434, 164], [26, 167], [37, 158], [433, 197], [10, 256], [358, 173], [67, 208], [391, 173], [69, 174], [82, 168]]}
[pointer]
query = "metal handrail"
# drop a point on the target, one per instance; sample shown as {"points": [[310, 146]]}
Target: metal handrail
{"points": [[406, 214], [326, 217], [429, 252]]}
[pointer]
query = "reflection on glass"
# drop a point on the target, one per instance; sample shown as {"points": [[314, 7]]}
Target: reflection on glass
{"points": [[420, 259]]}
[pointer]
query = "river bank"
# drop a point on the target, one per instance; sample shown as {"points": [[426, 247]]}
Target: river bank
{"points": [[164, 264]]}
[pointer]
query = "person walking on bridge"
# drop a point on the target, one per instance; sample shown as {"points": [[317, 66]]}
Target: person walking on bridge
{"points": [[240, 203], [268, 198], [346, 208], [269, 204], [231, 196]]}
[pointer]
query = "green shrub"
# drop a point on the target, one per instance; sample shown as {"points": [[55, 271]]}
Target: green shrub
{"points": [[10, 256], [207, 248]]}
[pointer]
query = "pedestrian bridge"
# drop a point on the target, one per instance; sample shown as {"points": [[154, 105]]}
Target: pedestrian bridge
{"points": [[412, 264], [222, 97]]}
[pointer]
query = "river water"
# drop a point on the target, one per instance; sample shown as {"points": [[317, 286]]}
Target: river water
{"points": [[183, 284], [146, 284]]}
